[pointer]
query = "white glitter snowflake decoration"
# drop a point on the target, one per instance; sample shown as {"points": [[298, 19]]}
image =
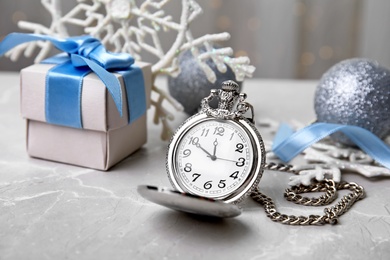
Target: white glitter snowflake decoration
{"points": [[126, 26]]}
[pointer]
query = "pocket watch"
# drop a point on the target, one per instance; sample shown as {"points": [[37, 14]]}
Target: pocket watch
{"points": [[216, 157], [217, 153]]}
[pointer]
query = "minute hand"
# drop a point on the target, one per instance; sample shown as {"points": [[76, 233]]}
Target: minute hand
{"points": [[218, 158]]}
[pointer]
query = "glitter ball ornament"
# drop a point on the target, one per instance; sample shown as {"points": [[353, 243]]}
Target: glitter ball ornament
{"points": [[191, 85], [355, 92]]}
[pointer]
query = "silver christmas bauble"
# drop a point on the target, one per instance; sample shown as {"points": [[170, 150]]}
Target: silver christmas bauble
{"points": [[355, 92], [191, 85]]}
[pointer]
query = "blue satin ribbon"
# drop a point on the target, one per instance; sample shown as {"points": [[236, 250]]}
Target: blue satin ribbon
{"points": [[288, 144], [63, 95], [64, 82], [135, 95]]}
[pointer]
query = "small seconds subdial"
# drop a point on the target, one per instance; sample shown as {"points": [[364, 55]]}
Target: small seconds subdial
{"points": [[214, 158]]}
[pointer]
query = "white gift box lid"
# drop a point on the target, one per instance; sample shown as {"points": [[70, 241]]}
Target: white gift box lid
{"points": [[97, 106]]}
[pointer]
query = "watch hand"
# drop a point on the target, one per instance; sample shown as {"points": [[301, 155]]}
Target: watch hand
{"points": [[225, 159], [215, 147], [204, 150]]}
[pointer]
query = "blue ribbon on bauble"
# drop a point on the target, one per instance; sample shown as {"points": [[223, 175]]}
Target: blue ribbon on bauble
{"points": [[83, 55], [288, 144]]}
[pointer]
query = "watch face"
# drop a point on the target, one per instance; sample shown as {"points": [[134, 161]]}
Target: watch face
{"points": [[214, 158]]}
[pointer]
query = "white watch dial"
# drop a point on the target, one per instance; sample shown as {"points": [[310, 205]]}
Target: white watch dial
{"points": [[214, 158]]}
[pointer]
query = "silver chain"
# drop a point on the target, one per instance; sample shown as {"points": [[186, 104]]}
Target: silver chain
{"points": [[292, 194]]}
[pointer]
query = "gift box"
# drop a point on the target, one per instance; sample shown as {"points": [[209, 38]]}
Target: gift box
{"points": [[106, 137], [85, 106]]}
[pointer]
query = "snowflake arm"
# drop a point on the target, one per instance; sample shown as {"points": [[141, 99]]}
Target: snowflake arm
{"points": [[161, 114], [307, 173], [88, 11]]}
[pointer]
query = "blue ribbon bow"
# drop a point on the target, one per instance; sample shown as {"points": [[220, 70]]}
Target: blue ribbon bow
{"points": [[288, 144], [64, 81]]}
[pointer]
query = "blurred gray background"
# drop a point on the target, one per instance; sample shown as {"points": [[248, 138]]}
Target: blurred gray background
{"points": [[284, 39]]}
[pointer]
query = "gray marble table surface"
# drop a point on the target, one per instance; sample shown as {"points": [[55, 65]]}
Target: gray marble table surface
{"points": [[55, 211]]}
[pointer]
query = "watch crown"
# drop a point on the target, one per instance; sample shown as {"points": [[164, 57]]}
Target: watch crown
{"points": [[228, 96], [230, 85]]}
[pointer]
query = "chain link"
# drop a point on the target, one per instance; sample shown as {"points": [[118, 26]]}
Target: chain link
{"points": [[292, 194], [327, 186]]}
